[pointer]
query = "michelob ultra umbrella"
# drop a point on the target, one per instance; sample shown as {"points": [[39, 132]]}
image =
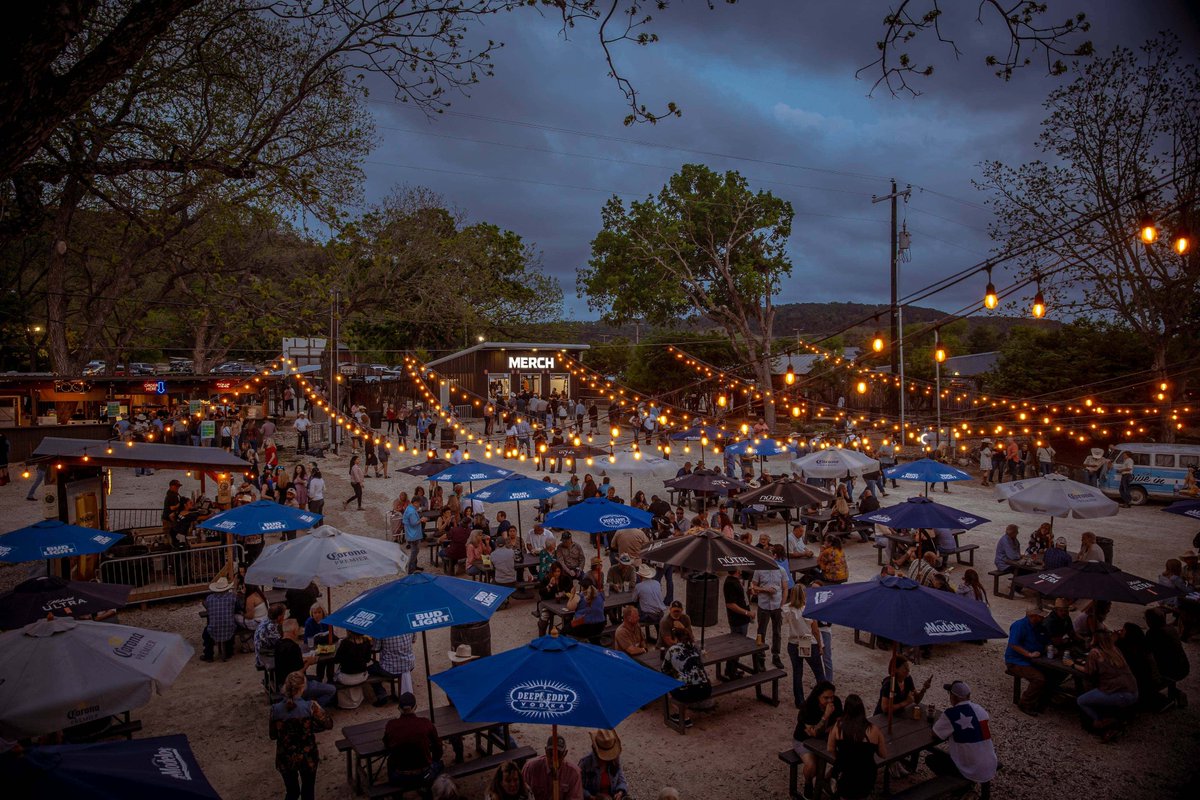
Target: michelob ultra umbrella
{"points": [[261, 516], [1096, 580], [33, 599], [53, 539], [927, 471], [706, 482], [138, 769], [633, 463], [60, 672], [417, 603], [1056, 496], [761, 447], [834, 462], [597, 515]]}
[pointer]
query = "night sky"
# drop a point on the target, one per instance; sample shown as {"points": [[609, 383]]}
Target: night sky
{"points": [[767, 87]]}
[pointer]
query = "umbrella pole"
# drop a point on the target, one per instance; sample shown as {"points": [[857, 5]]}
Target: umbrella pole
{"points": [[557, 790], [520, 528], [428, 683], [892, 674], [704, 611]]}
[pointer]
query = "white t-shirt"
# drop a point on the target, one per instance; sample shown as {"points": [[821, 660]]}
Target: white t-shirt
{"points": [[316, 489], [965, 724], [538, 540], [301, 424]]}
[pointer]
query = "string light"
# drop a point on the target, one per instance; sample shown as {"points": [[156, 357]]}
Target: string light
{"points": [[990, 299], [1039, 302]]}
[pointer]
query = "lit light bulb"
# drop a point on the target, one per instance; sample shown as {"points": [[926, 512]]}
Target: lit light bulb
{"points": [[1039, 305]]}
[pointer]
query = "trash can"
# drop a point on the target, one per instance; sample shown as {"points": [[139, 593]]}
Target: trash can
{"points": [[476, 634], [447, 434], [376, 418], [703, 599], [1106, 545]]}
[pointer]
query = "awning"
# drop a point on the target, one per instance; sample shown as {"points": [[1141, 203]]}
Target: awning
{"points": [[136, 454]]}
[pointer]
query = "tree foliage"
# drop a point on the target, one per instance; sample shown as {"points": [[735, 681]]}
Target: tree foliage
{"points": [[1039, 361]]}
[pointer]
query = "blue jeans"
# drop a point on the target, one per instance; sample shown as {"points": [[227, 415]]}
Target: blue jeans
{"points": [[1046, 467], [827, 652], [414, 551], [37, 481], [876, 487], [1126, 497], [1095, 702], [321, 693], [814, 663], [669, 573]]}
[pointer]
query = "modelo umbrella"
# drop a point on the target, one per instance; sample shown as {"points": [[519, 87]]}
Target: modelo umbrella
{"points": [[1096, 580], [927, 471], [597, 515], [35, 598], [327, 556], [554, 680], [1187, 508], [417, 603], [708, 552], [834, 462], [53, 539], [1056, 496], [59, 672], [515, 488], [261, 516], [138, 769], [921, 512], [431, 466]]}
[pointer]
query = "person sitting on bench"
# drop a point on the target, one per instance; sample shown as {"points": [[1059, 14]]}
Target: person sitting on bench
{"points": [[965, 724]]}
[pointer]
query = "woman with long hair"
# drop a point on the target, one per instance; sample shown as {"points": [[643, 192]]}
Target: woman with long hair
{"points": [[1116, 686], [803, 642], [294, 724], [300, 485], [855, 742], [589, 619], [356, 483], [437, 498], [832, 561], [508, 784], [316, 491], [817, 715], [972, 588], [477, 548]]}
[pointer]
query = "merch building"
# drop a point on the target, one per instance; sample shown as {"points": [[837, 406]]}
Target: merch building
{"points": [[506, 368]]}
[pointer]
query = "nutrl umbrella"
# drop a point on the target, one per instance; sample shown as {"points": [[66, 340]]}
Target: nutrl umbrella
{"points": [[927, 471], [430, 466], [261, 516], [59, 672], [1056, 496], [553, 680], [515, 488], [1096, 580], [417, 603], [53, 539], [35, 598], [327, 556], [1188, 508], [834, 462], [784, 492], [921, 512], [138, 769], [597, 515]]}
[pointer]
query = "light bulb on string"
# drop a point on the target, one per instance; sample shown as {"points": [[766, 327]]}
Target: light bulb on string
{"points": [[990, 298], [1039, 302]]}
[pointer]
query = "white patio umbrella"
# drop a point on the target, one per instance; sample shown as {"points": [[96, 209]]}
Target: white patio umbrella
{"points": [[62, 672], [1056, 496], [834, 462], [631, 464]]}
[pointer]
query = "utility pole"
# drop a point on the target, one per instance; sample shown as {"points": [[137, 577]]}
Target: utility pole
{"points": [[335, 301], [896, 344]]}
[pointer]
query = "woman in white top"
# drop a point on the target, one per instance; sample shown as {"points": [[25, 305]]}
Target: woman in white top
{"points": [[985, 461], [803, 642], [316, 491]]}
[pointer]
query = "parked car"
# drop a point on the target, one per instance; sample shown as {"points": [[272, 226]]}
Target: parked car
{"points": [[1160, 471], [95, 367], [140, 368], [181, 367]]}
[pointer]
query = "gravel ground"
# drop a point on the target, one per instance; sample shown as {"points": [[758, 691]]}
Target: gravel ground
{"points": [[731, 752]]}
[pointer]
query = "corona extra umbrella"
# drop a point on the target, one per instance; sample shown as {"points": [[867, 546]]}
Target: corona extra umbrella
{"points": [[1056, 496], [327, 556]]}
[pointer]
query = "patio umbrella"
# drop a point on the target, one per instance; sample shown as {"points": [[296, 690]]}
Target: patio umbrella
{"points": [[834, 462], [261, 516], [704, 482], [1096, 580], [1188, 508], [56, 673], [431, 466], [597, 515], [470, 471], [631, 464], [33, 599], [138, 769], [417, 603], [785, 492], [903, 611], [53, 539], [921, 512], [1056, 496], [697, 432], [927, 471], [556, 680], [515, 488], [707, 551], [761, 447]]}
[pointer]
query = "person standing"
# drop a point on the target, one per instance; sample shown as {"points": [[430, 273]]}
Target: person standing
{"points": [[221, 627], [738, 610], [985, 461], [316, 491], [1045, 458], [414, 533], [172, 502], [1093, 466], [803, 643], [965, 724], [356, 483], [1123, 464], [768, 585], [301, 425], [294, 723]]}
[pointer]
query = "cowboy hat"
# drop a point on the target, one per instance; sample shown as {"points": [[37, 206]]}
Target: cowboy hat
{"points": [[1097, 452], [461, 654], [646, 571], [1188, 554], [221, 584], [606, 744], [624, 559]]}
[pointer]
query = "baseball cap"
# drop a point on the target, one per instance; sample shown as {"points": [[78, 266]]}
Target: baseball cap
{"points": [[174, 483], [566, 535], [1060, 541], [676, 604], [562, 743], [958, 688], [407, 700]]}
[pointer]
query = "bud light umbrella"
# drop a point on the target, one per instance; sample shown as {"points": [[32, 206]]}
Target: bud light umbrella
{"points": [[1187, 508], [598, 515], [904, 611], [59, 672], [430, 466], [417, 603], [33, 599], [1096, 580], [53, 539], [261, 516], [470, 471], [921, 512], [698, 432], [761, 447], [927, 471], [707, 551], [834, 462], [138, 769], [515, 488], [553, 680], [1056, 496]]}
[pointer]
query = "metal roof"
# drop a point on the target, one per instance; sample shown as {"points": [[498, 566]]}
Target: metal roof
{"points": [[970, 365], [135, 454], [508, 346]]}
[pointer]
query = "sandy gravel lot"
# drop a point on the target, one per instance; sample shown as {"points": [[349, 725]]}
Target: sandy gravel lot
{"points": [[731, 753]]}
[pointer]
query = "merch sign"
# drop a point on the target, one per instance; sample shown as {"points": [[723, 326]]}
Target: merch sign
{"points": [[531, 362]]}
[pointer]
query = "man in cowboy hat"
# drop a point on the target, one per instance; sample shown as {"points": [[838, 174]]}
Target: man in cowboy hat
{"points": [[647, 593], [301, 425], [1191, 568], [1094, 466], [221, 606], [1060, 627], [600, 770], [461, 655]]}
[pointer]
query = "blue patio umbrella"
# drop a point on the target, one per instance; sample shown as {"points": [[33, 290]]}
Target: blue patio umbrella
{"points": [[554, 680], [515, 488], [598, 515], [921, 512], [417, 603], [762, 447], [927, 471], [53, 539], [1187, 508], [697, 432], [470, 471], [138, 769], [261, 516]]}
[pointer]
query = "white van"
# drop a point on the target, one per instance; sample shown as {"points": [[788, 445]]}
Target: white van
{"points": [[1159, 470]]}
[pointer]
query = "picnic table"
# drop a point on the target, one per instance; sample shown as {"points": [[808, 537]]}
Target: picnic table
{"points": [[907, 739], [904, 540], [1022, 566], [1056, 669], [802, 565], [366, 755], [558, 608]]}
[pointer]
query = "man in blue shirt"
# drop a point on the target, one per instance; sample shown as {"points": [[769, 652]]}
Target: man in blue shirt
{"points": [[1008, 549], [414, 534], [1027, 640], [1057, 557]]}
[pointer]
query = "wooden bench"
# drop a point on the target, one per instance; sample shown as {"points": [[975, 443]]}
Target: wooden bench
{"points": [[939, 786], [957, 552], [120, 727], [880, 549], [470, 767], [755, 679], [996, 575], [792, 759]]}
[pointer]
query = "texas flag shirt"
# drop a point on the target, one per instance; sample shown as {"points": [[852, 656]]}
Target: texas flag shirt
{"points": [[965, 725]]}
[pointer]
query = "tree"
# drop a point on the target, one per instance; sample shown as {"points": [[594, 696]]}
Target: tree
{"points": [[705, 246], [1121, 140], [1040, 361]]}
